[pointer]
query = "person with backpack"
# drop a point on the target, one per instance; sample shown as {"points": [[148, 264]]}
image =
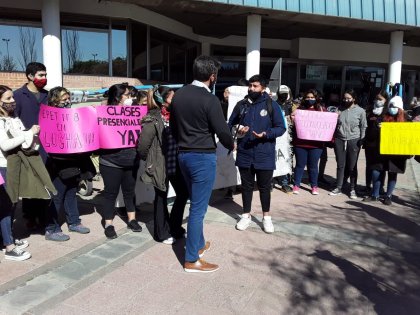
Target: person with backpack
{"points": [[257, 121]]}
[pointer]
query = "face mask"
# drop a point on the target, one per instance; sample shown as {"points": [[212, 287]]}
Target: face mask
{"points": [[253, 95], [66, 104], [40, 83], [309, 103], [283, 97], [9, 107], [128, 102], [378, 103], [393, 111], [347, 103], [378, 110]]}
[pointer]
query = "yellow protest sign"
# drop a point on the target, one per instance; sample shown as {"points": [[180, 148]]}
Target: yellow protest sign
{"points": [[400, 138]]}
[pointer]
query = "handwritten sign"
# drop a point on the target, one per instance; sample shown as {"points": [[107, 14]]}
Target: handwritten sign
{"points": [[400, 138], [84, 129], [68, 130], [1, 180], [314, 125], [120, 125]]}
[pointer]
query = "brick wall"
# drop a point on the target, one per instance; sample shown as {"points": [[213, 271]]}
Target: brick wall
{"points": [[85, 82]]}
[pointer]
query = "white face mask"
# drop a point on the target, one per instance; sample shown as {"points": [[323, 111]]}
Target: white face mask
{"points": [[377, 110], [379, 103], [128, 102]]}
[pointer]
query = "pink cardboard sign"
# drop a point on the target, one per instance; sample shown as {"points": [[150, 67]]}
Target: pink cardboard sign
{"points": [[68, 130], [1, 180], [119, 126], [314, 125]]}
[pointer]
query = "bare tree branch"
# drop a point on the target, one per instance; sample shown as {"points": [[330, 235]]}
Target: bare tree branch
{"points": [[71, 40], [27, 39]]}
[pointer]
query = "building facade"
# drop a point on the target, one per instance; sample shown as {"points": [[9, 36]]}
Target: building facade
{"points": [[327, 44]]}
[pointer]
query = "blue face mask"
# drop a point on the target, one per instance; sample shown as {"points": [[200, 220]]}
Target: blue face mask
{"points": [[393, 111]]}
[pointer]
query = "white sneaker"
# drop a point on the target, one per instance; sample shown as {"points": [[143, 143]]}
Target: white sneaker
{"points": [[169, 241], [243, 223], [268, 224]]}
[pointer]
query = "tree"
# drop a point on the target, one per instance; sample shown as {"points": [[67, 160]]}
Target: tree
{"points": [[27, 39], [71, 40], [7, 64]]}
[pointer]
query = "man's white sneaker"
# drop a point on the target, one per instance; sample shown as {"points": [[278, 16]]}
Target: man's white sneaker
{"points": [[268, 224], [243, 223], [169, 241]]}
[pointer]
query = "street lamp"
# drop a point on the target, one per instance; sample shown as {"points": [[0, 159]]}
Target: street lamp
{"points": [[7, 40], [94, 57]]}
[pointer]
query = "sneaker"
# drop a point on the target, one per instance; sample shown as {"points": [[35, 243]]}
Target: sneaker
{"points": [[243, 223], [268, 224], [287, 189], [295, 190], [134, 226], [204, 249], [21, 244], [169, 241], [17, 254], [200, 266], [110, 232], [315, 190], [353, 194], [56, 236], [79, 228], [387, 201], [370, 199], [335, 192]]}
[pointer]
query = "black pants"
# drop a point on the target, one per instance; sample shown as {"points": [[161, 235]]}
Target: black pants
{"points": [[114, 178], [166, 225], [323, 163], [264, 178], [177, 212], [346, 154], [33, 209]]}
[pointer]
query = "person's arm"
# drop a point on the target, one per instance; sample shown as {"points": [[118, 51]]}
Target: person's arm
{"points": [[363, 125], [235, 116], [7, 143], [145, 140], [279, 126], [218, 124]]}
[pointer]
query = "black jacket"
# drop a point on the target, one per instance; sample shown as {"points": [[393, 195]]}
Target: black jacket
{"points": [[196, 116]]}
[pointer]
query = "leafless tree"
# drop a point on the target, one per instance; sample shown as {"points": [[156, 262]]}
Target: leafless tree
{"points": [[27, 39], [71, 40], [7, 64]]}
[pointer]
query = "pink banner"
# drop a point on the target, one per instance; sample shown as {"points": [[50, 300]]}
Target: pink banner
{"points": [[1, 180], [84, 129], [314, 125], [119, 126], [68, 130]]}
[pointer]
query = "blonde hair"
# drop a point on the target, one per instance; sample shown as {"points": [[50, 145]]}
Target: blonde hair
{"points": [[55, 95]]}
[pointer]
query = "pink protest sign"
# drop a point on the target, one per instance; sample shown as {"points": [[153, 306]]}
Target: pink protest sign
{"points": [[1, 180], [119, 126], [68, 130], [314, 125]]}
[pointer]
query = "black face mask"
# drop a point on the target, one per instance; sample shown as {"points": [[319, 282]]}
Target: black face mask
{"points": [[254, 95], [309, 103], [283, 98], [347, 103]]}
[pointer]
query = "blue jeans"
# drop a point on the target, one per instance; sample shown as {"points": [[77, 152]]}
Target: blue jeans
{"points": [[310, 157], [199, 171], [66, 196], [377, 179], [6, 212]]}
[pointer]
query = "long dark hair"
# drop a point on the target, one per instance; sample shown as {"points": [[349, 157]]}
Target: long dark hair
{"points": [[3, 89], [115, 93], [318, 105]]}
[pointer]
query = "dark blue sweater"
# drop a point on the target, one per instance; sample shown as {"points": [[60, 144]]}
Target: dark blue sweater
{"points": [[253, 151]]}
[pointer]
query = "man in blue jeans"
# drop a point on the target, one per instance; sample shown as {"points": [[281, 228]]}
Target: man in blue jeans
{"points": [[196, 116]]}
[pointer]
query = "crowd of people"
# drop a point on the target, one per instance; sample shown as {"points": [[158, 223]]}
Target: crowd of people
{"points": [[177, 146]]}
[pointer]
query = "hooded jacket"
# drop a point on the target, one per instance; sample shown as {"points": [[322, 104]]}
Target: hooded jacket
{"points": [[351, 124], [251, 150]]}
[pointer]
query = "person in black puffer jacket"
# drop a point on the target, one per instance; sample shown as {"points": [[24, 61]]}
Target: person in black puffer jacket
{"points": [[118, 168]]}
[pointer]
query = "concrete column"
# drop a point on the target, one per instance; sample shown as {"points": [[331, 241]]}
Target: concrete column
{"points": [[253, 44], [205, 49], [51, 42], [395, 57]]}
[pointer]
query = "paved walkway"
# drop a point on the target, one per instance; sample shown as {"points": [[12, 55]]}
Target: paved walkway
{"points": [[329, 255]]}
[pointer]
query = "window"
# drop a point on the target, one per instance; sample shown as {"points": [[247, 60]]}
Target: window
{"points": [[20, 45]]}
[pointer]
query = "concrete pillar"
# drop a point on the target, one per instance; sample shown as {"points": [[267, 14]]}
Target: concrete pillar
{"points": [[51, 42], [253, 44], [205, 49], [395, 57]]}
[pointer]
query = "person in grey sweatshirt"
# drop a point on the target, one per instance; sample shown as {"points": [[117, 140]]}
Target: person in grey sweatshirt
{"points": [[349, 136]]}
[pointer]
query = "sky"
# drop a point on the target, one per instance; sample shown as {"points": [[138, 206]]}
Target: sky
{"points": [[89, 42]]}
